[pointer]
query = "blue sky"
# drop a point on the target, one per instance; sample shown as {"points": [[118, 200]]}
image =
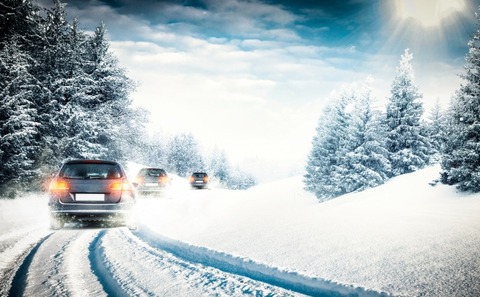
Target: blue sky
{"points": [[251, 77]]}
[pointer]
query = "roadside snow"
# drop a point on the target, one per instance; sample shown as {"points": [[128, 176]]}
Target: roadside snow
{"points": [[405, 237]]}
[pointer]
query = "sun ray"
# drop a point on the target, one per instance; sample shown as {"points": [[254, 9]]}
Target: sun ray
{"points": [[427, 13]]}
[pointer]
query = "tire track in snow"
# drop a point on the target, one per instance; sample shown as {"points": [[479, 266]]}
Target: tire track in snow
{"points": [[81, 280], [56, 267], [13, 245], [293, 281], [16, 277], [137, 269], [101, 269], [45, 274], [14, 250]]}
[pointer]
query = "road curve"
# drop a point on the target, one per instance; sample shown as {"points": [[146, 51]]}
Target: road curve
{"points": [[94, 261]]}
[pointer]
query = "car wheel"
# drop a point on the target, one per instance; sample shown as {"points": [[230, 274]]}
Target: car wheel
{"points": [[131, 222], [55, 223], [132, 226]]}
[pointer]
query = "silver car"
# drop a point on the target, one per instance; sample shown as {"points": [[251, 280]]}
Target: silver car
{"points": [[91, 190]]}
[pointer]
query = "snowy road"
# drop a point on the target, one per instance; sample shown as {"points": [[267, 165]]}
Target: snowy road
{"points": [[90, 261], [93, 260]]}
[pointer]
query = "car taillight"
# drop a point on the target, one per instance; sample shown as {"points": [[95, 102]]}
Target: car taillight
{"points": [[192, 179], [205, 179], [139, 180], [58, 185], [121, 186], [163, 179]]}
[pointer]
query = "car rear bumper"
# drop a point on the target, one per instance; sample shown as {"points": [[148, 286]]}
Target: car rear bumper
{"points": [[151, 189], [92, 212], [198, 185]]}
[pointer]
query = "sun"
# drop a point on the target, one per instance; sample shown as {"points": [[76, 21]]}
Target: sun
{"points": [[427, 13]]}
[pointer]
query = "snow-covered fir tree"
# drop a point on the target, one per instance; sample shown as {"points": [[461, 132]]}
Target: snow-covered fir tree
{"points": [[19, 139], [183, 155], [329, 146], [348, 151], [17, 18], [54, 71], [150, 150], [240, 180], [78, 114], [408, 147], [461, 156], [109, 91], [219, 167], [81, 106], [366, 163], [436, 131]]}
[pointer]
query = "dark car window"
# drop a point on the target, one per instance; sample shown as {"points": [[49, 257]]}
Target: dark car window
{"points": [[154, 172], [91, 171]]}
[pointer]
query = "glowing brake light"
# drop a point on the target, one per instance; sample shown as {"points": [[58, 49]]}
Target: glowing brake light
{"points": [[121, 186], [163, 179], [59, 185], [205, 179]]}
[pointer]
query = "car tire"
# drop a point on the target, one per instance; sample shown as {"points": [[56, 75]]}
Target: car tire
{"points": [[131, 222], [55, 223]]}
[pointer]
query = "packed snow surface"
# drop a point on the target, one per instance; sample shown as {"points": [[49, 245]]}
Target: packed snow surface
{"points": [[404, 238]]}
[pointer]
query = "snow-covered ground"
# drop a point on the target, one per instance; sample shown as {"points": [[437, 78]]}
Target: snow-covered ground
{"points": [[405, 238]]}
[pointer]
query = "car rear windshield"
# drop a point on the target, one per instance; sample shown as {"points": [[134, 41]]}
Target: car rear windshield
{"points": [[199, 174], [91, 171], [154, 172]]}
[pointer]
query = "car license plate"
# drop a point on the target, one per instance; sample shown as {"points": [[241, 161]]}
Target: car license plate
{"points": [[199, 182], [90, 197], [151, 184]]}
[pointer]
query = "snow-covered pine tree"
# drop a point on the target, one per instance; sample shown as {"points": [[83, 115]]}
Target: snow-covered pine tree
{"points": [[219, 167], [110, 104], [81, 98], [367, 163], [79, 108], [183, 155], [436, 130], [409, 149], [324, 170], [150, 149], [461, 157], [19, 141], [51, 52], [240, 180], [22, 22], [17, 18]]}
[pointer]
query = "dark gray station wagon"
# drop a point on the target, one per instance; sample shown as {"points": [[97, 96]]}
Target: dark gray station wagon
{"points": [[151, 181], [199, 180], [91, 190]]}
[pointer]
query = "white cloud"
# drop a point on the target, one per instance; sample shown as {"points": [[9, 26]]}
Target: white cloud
{"points": [[260, 105]]}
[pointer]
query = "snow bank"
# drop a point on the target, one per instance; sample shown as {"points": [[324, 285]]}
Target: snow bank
{"points": [[405, 237]]}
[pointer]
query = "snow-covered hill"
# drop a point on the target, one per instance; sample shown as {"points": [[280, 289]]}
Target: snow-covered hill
{"points": [[405, 238]]}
